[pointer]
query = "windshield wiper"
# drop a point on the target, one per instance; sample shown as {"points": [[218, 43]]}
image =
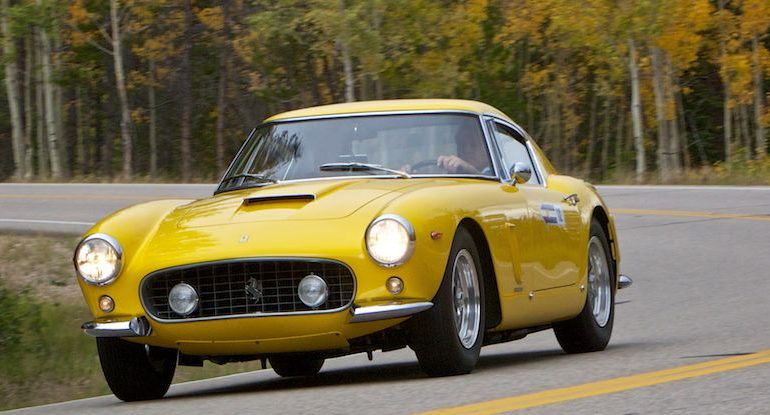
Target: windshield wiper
{"points": [[353, 166], [258, 177]]}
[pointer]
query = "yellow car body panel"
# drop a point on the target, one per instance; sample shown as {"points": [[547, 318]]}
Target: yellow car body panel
{"points": [[542, 285]]}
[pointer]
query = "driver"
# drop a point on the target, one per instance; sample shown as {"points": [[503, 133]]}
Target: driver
{"points": [[471, 157]]}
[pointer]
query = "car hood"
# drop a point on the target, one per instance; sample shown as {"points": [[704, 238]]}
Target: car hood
{"points": [[309, 200]]}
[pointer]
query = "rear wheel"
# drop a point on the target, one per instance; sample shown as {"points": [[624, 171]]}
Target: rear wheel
{"points": [[447, 338], [136, 372], [590, 331], [295, 365]]}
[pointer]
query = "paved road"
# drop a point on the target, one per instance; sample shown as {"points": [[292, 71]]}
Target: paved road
{"points": [[700, 264], [73, 208]]}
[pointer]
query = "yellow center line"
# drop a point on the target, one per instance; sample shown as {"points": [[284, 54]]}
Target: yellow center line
{"points": [[605, 387], [689, 214]]}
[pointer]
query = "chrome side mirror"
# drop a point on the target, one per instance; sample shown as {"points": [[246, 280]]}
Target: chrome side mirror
{"points": [[520, 173]]}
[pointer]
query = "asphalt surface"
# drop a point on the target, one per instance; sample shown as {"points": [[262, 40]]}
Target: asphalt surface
{"points": [[700, 294]]}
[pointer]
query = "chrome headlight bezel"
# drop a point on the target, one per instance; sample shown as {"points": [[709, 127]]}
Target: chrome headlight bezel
{"points": [[408, 248], [114, 245]]}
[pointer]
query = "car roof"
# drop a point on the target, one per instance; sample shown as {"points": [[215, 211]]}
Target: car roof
{"points": [[395, 105]]}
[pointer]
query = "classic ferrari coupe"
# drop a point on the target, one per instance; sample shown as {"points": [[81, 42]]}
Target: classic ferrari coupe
{"points": [[349, 228]]}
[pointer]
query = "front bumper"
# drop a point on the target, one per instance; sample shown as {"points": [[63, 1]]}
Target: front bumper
{"points": [[140, 327]]}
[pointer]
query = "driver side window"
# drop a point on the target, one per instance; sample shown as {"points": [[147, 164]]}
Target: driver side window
{"points": [[513, 150]]}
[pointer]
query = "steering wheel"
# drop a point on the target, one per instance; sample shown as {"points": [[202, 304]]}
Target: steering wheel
{"points": [[425, 163]]}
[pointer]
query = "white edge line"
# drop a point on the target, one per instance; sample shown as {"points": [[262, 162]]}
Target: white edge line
{"points": [[112, 184], [48, 222], [681, 187], [62, 403]]}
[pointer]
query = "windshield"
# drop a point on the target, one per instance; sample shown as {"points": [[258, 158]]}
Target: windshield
{"points": [[399, 146]]}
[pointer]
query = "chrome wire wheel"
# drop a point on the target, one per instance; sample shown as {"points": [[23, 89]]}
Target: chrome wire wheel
{"points": [[466, 298], [599, 282]]}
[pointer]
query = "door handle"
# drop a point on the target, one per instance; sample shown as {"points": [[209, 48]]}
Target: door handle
{"points": [[572, 199]]}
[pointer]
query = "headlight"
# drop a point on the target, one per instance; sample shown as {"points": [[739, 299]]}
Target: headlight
{"points": [[98, 259], [390, 240]]}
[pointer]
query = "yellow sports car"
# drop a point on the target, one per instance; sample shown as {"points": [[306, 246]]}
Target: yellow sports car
{"points": [[434, 224]]}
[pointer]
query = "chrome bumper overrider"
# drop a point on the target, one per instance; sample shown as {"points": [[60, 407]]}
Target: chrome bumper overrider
{"points": [[136, 327], [624, 281], [386, 311]]}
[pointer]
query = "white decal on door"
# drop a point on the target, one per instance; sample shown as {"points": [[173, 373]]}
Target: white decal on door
{"points": [[552, 214]]}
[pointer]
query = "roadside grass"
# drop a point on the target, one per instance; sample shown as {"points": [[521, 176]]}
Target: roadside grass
{"points": [[44, 356]]}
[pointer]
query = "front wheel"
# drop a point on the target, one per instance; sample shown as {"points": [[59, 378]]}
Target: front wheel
{"points": [[590, 331], [291, 366], [136, 372], [447, 338]]}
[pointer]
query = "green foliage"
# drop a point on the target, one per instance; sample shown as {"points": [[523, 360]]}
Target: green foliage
{"points": [[743, 170], [41, 346], [10, 306]]}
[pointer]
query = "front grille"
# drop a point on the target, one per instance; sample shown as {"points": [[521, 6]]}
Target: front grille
{"points": [[222, 292]]}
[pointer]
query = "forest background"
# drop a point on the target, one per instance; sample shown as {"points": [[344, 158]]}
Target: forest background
{"points": [[664, 91]]}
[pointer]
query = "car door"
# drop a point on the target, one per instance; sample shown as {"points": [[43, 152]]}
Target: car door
{"points": [[544, 250]]}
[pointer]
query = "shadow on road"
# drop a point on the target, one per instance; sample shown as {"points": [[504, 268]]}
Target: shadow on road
{"points": [[365, 374]]}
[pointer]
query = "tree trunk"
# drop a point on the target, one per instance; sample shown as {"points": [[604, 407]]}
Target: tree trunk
{"points": [[330, 81], [12, 91], [664, 170], [636, 113], [315, 83], [605, 139], [29, 56], [221, 106], [186, 95], [106, 132], [347, 64], [378, 93], [80, 142], [545, 132], [745, 131], [672, 151], [59, 114], [43, 165], [702, 156], [619, 136], [151, 102], [727, 116], [591, 136], [760, 141], [222, 91], [120, 84], [48, 98], [684, 146]]}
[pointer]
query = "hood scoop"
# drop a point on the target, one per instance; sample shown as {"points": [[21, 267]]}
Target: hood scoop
{"points": [[304, 197]]}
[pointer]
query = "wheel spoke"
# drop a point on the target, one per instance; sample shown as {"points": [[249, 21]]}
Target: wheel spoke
{"points": [[466, 298], [599, 290]]}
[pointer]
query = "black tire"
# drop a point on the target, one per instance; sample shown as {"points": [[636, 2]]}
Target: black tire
{"points": [[295, 365], [136, 372], [434, 334], [583, 334]]}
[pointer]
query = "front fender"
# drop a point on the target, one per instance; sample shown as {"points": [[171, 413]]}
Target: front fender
{"points": [[131, 227]]}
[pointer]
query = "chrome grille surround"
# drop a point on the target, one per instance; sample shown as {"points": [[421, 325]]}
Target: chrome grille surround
{"points": [[221, 287]]}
